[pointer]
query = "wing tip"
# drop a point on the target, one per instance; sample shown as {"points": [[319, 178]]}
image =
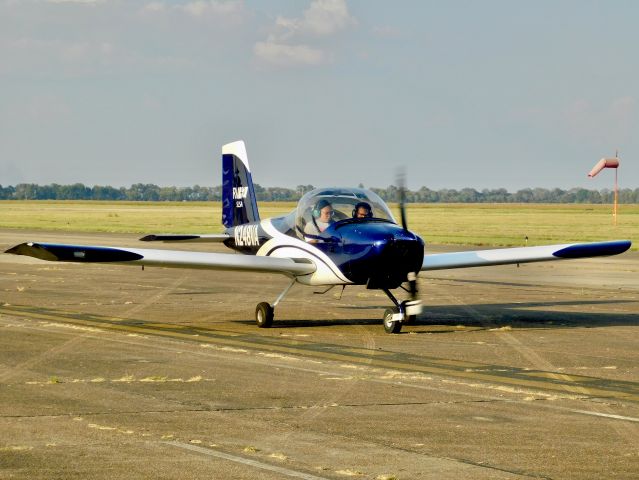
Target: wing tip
{"points": [[30, 249], [599, 249], [74, 253]]}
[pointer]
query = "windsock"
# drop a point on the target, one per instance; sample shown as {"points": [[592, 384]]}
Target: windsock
{"points": [[604, 163]]}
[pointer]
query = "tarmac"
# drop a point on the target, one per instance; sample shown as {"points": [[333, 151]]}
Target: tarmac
{"points": [[511, 372]]}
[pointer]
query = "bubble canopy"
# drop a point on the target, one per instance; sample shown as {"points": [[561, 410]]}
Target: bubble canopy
{"points": [[343, 202]]}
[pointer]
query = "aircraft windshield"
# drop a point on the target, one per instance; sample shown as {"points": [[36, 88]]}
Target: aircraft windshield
{"points": [[322, 207]]}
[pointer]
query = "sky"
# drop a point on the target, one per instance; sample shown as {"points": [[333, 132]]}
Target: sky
{"points": [[490, 94]]}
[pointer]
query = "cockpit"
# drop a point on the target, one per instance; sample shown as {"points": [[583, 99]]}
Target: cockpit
{"points": [[327, 208]]}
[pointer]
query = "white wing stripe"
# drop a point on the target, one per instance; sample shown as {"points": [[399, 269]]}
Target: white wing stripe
{"points": [[280, 239]]}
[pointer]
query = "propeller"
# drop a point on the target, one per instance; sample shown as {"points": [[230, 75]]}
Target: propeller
{"points": [[401, 184]]}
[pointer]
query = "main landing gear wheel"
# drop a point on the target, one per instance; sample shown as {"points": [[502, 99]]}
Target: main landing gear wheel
{"points": [[264, 315], [390, 325]]}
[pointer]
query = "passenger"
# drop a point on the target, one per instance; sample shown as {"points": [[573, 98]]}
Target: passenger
{"points": [[362, 210], [321, 219]]}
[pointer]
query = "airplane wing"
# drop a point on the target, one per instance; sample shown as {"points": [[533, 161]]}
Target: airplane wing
{"points": [[186, 238], [163, 258], [503, 256]]}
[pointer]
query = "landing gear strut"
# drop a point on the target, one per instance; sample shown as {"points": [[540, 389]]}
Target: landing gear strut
{"points": [[404, 312], [264, 312]]}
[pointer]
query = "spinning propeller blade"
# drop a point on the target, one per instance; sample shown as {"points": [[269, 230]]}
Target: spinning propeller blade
{"points": [[401, 184]]}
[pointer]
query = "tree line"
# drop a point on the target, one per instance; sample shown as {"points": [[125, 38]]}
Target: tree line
{"points": [[155, 193]]}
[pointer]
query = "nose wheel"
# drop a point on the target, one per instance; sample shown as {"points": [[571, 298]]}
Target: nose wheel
{"points": [[404, 312], [390, 325]]}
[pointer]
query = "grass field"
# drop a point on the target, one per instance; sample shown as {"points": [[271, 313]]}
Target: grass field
{"points": [[458, 224]]}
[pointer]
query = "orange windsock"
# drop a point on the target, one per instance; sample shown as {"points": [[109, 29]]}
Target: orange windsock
{"points": [[604, 163]]}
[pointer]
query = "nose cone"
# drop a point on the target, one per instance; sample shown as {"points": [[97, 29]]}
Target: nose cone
{"points": [[381, 254]]}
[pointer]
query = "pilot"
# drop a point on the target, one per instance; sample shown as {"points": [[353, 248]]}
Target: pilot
{"points": [[362, 210], [321, 219]]}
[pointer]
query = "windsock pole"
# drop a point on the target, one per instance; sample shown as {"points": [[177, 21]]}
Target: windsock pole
{"points": [[609, 163], [614, 211]]}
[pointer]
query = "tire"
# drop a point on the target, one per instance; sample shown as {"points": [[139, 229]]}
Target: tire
{"points": [[391, 326], [264, 315]]}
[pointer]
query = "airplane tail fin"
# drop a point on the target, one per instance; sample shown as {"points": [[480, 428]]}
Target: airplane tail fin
{"points": [[239, 204]]}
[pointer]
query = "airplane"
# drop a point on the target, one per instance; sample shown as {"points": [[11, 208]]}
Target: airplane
{"points": [[335, 237]]}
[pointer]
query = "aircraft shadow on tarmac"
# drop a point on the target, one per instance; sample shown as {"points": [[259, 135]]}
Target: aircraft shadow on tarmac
{"points": [[489, 316]]}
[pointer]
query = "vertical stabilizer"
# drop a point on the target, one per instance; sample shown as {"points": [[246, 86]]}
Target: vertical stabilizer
{"points": [[239, 204]]}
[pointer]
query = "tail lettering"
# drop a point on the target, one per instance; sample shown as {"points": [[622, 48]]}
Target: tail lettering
{"points": [[239, 205]]}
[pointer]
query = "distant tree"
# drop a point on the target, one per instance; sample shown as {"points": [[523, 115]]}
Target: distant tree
{"points": [[582, 196], [302, 189], [143, 192], [26, 191], [107, 193], [426, 195], [151, 192], [523, 196], [7, 193], [468, 195]]}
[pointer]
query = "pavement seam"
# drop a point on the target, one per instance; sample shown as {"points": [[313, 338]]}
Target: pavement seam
{"points": [[246, 461]]}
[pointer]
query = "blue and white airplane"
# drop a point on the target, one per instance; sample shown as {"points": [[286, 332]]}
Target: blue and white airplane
{"points": [[335, 236]]}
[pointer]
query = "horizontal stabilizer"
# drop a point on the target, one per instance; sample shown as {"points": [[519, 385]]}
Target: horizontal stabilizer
{"points": [[504, 256], [186, 238], [163, 258]]}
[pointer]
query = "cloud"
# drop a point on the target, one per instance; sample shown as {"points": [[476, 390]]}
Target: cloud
{"points": [[288, 44], [154, 7], [199, 9], [78, 2], [280, 54], [202, 8], [69, 38], [322, 18]]}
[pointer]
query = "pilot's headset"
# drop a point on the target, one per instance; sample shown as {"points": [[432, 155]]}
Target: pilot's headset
{"points": [[366, 206], [317, 209]]}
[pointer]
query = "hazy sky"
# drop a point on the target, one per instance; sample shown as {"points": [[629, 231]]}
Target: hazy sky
{"points": [[480, 94]]}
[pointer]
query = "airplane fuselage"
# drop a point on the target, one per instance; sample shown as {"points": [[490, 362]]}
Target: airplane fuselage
{"points": [[371, 252]]}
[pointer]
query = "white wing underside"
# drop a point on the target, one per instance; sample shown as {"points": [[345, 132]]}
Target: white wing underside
{"points": [[164, 258], [504, 256]]}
